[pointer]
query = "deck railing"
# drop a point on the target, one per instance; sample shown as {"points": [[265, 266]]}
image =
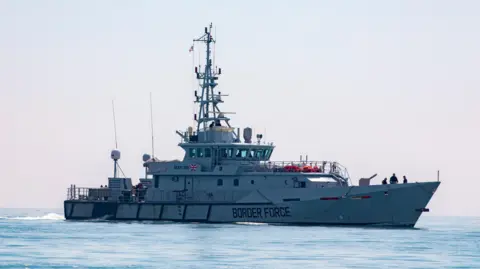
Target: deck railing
{"points": [[126, 196], [105, 194], [82, 193], [323, 167]]}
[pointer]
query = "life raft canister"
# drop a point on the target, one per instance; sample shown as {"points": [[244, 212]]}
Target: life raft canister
{"points": [[291, 168], [307, 169]]}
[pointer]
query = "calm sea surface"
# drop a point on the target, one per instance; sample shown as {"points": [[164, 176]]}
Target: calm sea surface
{"points": [[36, 238]]}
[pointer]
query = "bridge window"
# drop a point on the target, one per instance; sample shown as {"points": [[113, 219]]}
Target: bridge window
{"points": [[252, 154], [208, 153], [241, 153], [267, 153], [220, 182], [193, 153], [200, 153], [259, 153], [230, 153], [235, 182]]}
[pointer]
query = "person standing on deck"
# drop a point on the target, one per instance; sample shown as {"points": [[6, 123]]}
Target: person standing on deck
{"points": [[393, 179]]}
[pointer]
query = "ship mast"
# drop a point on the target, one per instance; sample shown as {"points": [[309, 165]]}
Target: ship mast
{"points": [[209, 113]]}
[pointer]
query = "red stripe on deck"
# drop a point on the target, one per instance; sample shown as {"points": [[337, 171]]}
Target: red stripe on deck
{"points": [[329, 198]]}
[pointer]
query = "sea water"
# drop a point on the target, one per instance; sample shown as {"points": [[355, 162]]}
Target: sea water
{"points": [[38, 238]]}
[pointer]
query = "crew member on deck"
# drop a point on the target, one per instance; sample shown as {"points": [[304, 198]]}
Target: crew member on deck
{"points": [[405, 180], [384, 182], [393, 179]]}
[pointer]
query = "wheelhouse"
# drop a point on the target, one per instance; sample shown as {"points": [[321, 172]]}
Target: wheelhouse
{"points": [[227, 152]]}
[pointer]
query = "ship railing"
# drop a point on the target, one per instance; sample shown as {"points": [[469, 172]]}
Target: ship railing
{"points": [[140, 195], [324, 167], [87, 194]]}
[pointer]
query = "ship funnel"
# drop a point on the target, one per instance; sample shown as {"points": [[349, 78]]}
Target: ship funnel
{"points": [[247, 135]]}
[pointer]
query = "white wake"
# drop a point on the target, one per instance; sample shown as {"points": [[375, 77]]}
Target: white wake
{"points": [[49, 216]]}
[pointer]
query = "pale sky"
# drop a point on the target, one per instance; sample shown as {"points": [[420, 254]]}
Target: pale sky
{"points": [[379, 86]]}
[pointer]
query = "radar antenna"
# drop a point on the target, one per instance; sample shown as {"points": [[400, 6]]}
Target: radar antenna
{"points": [[114, 124], [208, 114], [151, 125], [115, 154]]}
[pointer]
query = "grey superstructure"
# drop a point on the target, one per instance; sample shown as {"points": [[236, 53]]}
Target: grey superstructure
{"points": [[227, 177]]}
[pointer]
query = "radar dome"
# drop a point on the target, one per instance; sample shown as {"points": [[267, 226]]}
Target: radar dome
{"points": [[145, 157], [115, 155], [247, 135]]}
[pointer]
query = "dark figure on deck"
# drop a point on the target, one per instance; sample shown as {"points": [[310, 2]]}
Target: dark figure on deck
{"points": [[393, 179], [384, 182], [405, 180]]}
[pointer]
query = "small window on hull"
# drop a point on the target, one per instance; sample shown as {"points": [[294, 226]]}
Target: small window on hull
{"points": [[192, 153], [208, 153], [223, 153], [235, 182], [220, 182]]}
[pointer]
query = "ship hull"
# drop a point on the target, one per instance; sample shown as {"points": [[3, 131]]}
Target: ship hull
{"points": [[380, 205]]}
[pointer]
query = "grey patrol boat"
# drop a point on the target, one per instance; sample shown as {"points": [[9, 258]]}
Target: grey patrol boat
{"points": [[226, 179]]}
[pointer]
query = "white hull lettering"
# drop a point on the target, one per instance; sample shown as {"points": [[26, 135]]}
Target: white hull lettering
{"points": [[258, 213]]}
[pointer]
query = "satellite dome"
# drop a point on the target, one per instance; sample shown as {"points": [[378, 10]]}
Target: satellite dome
{"points": [[115, 155], [145, 157]]}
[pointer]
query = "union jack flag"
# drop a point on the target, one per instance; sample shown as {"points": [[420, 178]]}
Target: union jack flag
{"points": [[193, 167]]}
